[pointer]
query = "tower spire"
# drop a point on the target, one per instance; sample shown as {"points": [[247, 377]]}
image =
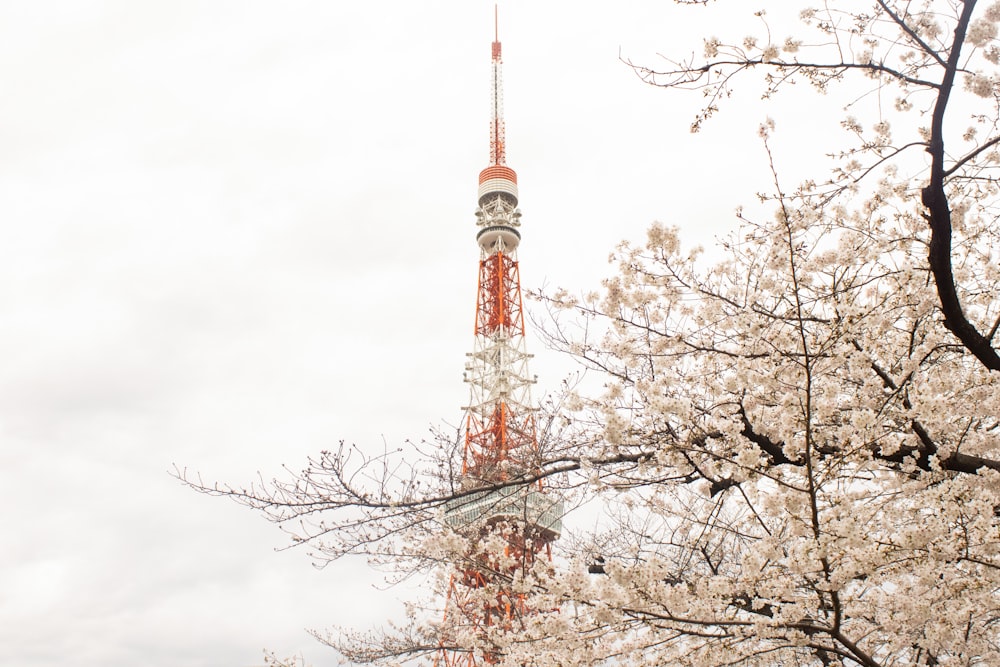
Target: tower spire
{"points": [[497, 139]]}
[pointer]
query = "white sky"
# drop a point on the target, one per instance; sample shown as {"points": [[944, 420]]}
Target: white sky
{"points": [[237, 232]]}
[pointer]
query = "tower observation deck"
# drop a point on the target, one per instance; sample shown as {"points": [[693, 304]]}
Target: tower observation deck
{"points": [[501, 441]]}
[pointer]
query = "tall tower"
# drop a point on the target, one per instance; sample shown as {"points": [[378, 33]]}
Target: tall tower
{"points": [[501, 442]]}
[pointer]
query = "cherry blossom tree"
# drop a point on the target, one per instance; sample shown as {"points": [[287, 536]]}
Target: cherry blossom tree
{"points": [[797, 443]]}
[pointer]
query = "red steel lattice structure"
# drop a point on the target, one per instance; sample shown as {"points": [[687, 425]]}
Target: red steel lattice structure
{"points": [[501, 442]]}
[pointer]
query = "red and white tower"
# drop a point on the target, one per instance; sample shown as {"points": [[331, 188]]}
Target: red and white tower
{"points": [[510, 526]]}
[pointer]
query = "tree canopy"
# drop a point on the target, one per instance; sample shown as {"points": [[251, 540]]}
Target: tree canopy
{"points": [[796, 442]]}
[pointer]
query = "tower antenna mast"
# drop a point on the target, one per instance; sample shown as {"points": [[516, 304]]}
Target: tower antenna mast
{"points": [[497, 139]]}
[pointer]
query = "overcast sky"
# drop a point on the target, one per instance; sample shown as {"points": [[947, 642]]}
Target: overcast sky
{"points": [[235, 233]]}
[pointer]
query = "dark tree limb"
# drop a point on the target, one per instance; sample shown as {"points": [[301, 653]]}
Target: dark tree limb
{"points": [[938, 213]]}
